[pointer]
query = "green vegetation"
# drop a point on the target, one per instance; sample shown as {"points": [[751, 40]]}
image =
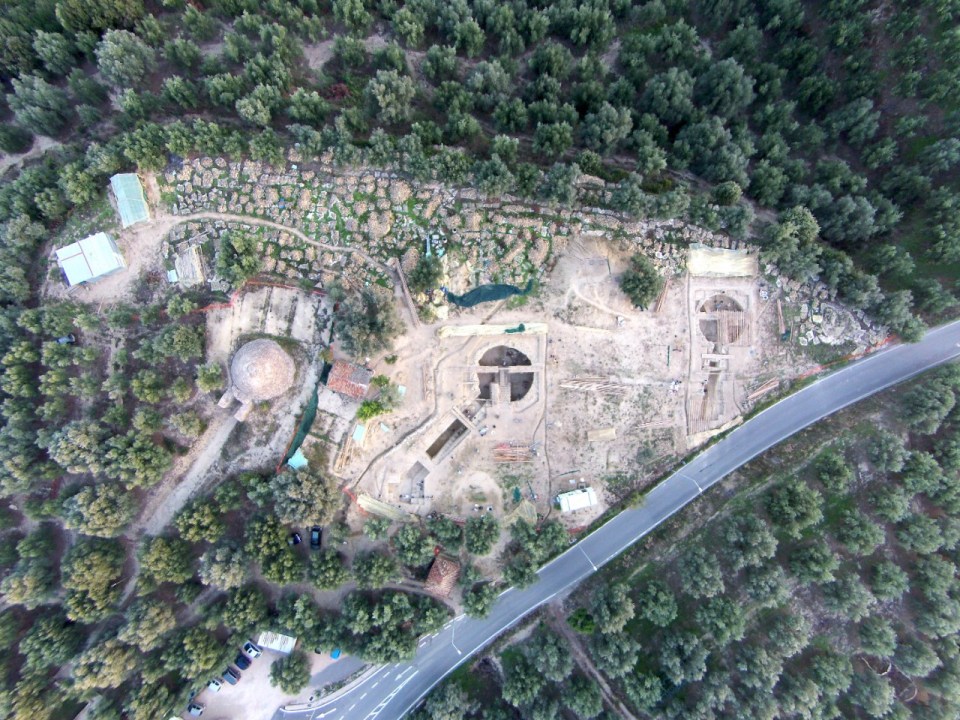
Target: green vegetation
{"points": [[425, 274], [387, 398], [291, 673], [367, 321], [641, 282], [824, 130]]}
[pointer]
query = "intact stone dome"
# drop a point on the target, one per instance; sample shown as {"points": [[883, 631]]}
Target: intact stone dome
{"points": [[260, 370]]}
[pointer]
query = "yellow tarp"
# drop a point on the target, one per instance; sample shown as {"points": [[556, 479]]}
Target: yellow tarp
{"points": [[526, 510], [717, 262], [376, 507], [602, 434]]}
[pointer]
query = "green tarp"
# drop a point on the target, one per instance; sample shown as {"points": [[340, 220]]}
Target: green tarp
{"points": [[130, 199], [488, 293]]}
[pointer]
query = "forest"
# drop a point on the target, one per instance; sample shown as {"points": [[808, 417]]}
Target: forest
{"points": [[824, 132]]}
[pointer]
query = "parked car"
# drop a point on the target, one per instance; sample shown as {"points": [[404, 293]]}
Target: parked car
{"points": [[214, 685], [241, 661], [294, 539], [316, 533], [335, 654], [195, 709], [69, 339], [252, 650], [231, 676]]}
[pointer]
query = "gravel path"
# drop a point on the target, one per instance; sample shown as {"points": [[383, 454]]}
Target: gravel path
{"points": [[170, 497]]}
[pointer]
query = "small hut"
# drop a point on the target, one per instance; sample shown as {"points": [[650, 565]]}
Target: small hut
{"points": [[90, 259], [444, 574], [350, 380]]}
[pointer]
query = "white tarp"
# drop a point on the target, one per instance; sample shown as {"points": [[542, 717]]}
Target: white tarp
{"points": [[577, 499], [275, 641], [91, 258]]}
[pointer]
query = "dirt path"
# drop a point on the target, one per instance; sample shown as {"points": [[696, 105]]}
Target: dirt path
{"points": [[559, 623], [141, 251], [169, 498], [40, 146], [253, 220]]}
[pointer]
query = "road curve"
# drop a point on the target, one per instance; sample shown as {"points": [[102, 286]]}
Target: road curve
{"points": [[392, 691]]}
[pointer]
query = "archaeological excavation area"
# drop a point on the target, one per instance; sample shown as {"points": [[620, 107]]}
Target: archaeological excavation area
{"points": [[566, 404]]}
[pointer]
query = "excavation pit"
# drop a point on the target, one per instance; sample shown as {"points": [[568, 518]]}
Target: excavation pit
{"points": [[721, 320], [504, 356], [447, 440]]}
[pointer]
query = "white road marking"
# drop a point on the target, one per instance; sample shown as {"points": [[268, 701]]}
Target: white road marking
{"points": [[393, 693], [687, 477], [587, 556]]}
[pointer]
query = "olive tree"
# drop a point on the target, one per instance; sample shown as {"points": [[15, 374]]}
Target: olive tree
{"points": [[304, 497], [389, 96], [367, 321], [291, 673], [641, 282]]}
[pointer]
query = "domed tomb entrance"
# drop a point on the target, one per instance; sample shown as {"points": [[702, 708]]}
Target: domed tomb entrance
{"points": [[261, 370], [509, 380], [721, 319]]}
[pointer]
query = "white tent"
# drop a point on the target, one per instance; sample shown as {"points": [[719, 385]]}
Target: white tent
{"points": [[577, 499], [89, 259], [277, 641]]}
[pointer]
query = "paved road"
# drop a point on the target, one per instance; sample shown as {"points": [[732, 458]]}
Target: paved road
{"points": [[393, 690]]}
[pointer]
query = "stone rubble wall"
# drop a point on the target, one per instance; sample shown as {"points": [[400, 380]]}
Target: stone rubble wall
{"points": [[484, 239]]}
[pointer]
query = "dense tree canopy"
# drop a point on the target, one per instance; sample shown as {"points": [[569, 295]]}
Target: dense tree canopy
{"points": [[641, 282]]}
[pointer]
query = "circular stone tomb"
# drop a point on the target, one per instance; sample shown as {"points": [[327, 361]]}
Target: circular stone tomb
{"points": [[261, 370]]}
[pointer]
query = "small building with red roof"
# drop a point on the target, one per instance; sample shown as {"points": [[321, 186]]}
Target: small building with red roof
{"points": [[444, 574], [352, 381]]}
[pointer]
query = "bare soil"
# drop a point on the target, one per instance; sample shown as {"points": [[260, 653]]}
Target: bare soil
{"points": [[659, 393]]}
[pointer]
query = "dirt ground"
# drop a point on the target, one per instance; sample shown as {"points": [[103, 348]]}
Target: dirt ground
{"points": [[617, 392], [281, 312], [40, 145], [606, 394], [254, 698]]}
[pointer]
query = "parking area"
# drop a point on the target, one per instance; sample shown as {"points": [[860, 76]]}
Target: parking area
{"points": [[254, 698]]}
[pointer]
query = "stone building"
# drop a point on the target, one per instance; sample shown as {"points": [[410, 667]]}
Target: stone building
{"points": [[261, 370]]}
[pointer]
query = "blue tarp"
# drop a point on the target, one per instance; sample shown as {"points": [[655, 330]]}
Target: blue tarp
{"points": [[298, 460]]}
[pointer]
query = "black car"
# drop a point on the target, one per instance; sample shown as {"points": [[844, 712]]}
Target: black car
{"points": [[316, 532], [242, 661]]}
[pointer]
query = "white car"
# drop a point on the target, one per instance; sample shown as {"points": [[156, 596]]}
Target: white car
{"points": [[251, 650], [214, 685]]}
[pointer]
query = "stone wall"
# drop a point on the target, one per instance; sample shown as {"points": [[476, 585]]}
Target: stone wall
{"points": [[483, 239]]}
